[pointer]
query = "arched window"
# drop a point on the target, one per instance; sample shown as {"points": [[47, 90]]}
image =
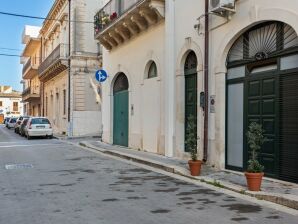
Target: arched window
{"points": [[191, 62], [152, 72], [191, 94], [121, 83], [262, 42]]}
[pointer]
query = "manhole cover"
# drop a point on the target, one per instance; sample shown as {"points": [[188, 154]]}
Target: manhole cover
{"points": [[18, 166]]}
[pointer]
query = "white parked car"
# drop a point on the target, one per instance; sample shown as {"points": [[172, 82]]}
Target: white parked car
{"points": [[11, 123], [38, 126], [6, 121]]}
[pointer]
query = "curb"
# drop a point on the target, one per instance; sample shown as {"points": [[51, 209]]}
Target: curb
{"points": [[280, 199], [74, 137]]}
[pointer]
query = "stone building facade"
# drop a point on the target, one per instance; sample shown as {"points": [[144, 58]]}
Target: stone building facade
{"points": [[70, 96], [31, 59], [154, 55], [10, 102]]}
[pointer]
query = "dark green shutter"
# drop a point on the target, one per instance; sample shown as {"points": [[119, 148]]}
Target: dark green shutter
{"points": [[288, 167]]}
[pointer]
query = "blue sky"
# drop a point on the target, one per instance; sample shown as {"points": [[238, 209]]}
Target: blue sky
{"points": [[11, 29]]}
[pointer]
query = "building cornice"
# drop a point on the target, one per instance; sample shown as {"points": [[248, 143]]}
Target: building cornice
{"points": [[11, 95], [53, 13]]}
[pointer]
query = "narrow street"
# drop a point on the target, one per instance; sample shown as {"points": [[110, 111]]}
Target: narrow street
{"points": [[60, 183]]}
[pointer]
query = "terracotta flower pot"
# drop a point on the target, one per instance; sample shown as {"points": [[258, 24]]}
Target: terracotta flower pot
{"points": [[254, 181], [195, 167]]}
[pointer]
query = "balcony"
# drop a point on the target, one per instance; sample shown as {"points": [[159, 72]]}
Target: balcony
{"points": [[30, 94], [31, 45], [30, 69], [120, 20], [55, 63]]}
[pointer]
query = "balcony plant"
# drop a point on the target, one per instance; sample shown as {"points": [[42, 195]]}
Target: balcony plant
{"points": [[255, 140], [113, 16], [191, 142], [105, 19], [102, 19]]}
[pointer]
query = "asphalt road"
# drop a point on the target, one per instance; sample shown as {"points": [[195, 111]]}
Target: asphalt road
{"points": [[60, 183]]}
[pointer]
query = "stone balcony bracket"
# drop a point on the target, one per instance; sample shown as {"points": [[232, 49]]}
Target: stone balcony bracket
{"points": [[131, 23]]}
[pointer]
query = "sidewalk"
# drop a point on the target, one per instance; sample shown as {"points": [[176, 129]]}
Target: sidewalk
{"points": [[275, 191]]}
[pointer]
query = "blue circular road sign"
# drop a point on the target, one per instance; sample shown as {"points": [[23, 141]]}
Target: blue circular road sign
{"points": [[101, 75]]}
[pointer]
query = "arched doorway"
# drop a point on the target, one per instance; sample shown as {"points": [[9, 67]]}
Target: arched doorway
{"points": [[191, 90], [120, 119], [262, 86]]}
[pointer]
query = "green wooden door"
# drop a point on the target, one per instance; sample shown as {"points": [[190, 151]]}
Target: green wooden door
{"points": [[262, 107], [190, 100], [120, 127]]}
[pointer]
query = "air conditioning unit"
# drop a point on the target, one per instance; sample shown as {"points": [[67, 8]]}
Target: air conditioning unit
{"points": [[222, 6]]}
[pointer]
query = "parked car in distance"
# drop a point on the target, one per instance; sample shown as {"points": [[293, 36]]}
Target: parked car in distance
{"points": [[6, 121], [23, 126], [18, 124], [11, 123], [38, 126]]}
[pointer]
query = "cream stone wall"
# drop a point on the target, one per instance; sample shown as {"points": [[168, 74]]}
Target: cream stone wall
{"points": [[157, 121], [33, 106], [146, 128], [56, 108], [7, 106], [85, 104], [83, 40], [222, 36], [187, 39]]}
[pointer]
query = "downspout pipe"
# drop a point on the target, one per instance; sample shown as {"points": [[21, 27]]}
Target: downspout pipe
{"points": [[41, 83], [69, 73], [206, 83]]}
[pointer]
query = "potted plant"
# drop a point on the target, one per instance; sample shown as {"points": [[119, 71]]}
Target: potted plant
{"points": [[191, 145], [255, 140]]}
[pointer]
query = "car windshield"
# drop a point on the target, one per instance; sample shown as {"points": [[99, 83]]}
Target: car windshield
{"points": [[40, 121], [13, 120]]}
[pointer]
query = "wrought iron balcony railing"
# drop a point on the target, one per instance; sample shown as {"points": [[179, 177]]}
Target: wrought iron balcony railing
{"points": [[31, 90], [59, 53], [110, 12], [119, 20], [27, 65], [30, 68], [26, 91]]}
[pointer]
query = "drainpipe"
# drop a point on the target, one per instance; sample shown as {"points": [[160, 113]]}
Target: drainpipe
{"points": [[206, 72], [41, 83], [69, 73]]}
